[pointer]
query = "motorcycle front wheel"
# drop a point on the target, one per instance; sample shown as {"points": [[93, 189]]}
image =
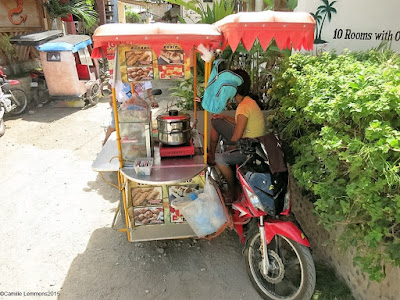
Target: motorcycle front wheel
{"points": [[291, 275], [19, 99]]}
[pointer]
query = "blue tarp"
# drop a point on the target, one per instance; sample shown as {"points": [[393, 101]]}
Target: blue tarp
{"points": [[66, 43]]}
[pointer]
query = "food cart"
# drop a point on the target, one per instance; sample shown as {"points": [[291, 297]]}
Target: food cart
{"points": [[167, 51], [152, 170]]}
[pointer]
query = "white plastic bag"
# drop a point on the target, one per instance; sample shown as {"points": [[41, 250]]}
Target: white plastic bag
{"points": [[205, 214], [122, 91]]}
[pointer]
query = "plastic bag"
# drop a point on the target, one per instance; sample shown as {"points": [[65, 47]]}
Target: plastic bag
{"points": [[205, 214], [122, 91]]}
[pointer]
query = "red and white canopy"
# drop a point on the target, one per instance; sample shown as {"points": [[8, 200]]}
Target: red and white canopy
{"points": [[289, 29]]}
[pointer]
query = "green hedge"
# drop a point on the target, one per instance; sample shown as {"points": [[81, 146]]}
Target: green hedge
{"points": [[340, 115]]}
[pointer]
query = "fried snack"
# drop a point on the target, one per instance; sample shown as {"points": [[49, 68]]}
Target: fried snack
{"points": [[132, 57], [136, 194], [141, 199], [145, 56], [153, 194]]}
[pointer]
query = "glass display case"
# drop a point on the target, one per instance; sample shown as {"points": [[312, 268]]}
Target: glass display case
{"points": [[135, 130]]}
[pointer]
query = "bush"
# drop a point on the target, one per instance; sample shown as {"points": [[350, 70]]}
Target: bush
{"points": [[340, 114], [132, 17], [183, 91]]}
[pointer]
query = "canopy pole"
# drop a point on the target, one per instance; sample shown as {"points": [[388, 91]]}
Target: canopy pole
{"points": [[115, 109], [195, 84], [207, 71]]}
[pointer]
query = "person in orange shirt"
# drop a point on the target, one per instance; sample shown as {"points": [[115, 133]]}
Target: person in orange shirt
{"points": [[247, 123]]}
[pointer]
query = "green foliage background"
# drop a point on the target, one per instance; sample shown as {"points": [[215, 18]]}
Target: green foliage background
{"points": [[132, 17], [340, 114], [83, 9]]}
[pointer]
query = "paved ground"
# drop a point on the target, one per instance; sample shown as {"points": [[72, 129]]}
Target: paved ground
{"points": [[56, 215]]}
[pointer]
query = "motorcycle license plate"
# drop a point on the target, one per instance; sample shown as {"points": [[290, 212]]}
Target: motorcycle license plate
{"points": [[34, 84]]}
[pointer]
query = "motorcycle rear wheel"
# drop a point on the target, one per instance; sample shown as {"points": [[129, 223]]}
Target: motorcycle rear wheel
{"points": [[43, 94], [19, 98], [292, 276]]}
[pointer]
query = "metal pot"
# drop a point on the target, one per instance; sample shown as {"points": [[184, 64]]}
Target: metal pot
{"points": [[174, 129]]}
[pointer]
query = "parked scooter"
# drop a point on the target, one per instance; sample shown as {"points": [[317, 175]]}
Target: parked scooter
{"points": [[12, 100], [278, 260]]}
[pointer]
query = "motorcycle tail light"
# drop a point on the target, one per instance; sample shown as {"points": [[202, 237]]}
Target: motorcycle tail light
{"points": [[255, 201]]}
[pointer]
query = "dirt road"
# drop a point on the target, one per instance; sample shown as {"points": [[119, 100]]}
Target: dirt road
{"points": [[56, 215]]}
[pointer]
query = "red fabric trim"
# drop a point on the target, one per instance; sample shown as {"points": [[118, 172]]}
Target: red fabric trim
{"points": [[295, 35], [68, 19]]}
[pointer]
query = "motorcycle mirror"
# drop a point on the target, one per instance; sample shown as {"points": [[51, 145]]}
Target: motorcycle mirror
{"points": [[156, 92]]}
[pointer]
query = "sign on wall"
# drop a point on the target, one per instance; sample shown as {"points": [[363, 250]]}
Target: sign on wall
{"points": [[19, 14], [355, 25]]}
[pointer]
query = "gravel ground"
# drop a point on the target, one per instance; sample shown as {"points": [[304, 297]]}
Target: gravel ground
{"points": [[56, 215]]}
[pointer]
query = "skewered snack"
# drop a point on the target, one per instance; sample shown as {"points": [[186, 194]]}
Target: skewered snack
{"points": [[141, 198]]}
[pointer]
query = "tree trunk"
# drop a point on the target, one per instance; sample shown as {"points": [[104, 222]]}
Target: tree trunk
{"points": [[280, 5]]}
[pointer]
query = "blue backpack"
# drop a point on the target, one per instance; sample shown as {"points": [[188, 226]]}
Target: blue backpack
{"points": [[221, 87]]}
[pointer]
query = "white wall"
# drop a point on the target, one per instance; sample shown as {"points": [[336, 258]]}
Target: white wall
{"points": [[358, 18]]}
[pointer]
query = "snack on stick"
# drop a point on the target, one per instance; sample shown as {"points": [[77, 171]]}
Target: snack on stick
{"points": [[136, 194], [153, 194], [142, 197]]}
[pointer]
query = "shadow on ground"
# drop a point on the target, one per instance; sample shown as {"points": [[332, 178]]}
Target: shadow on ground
{"points": [[105, 185], [113, 268]]}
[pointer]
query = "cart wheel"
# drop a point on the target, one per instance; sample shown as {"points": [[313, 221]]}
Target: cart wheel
{"points": [[94, 94]]}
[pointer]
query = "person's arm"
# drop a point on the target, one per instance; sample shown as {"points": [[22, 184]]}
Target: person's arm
{"points": [[153, 102], [222, 116], [240, 127]]}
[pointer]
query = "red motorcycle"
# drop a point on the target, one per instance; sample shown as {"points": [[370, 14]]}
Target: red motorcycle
{"points": [[12, 100], [277, 255]]}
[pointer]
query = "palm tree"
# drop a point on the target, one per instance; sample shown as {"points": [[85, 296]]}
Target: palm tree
{"points": [[82, 9], [326, 10], [318, 18]]}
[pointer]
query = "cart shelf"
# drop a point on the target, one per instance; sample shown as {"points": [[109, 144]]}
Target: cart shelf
{"points": [[161, 232]]}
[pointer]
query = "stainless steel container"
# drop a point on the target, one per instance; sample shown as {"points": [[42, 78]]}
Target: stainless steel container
{"points": [[174, 128]]}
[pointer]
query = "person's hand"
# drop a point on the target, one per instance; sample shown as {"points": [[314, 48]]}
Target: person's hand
{"points": [[154, 104], [197, 99]]}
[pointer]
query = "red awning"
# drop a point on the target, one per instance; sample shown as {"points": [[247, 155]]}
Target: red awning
{"points": [[157, 35], [289, 29]]}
